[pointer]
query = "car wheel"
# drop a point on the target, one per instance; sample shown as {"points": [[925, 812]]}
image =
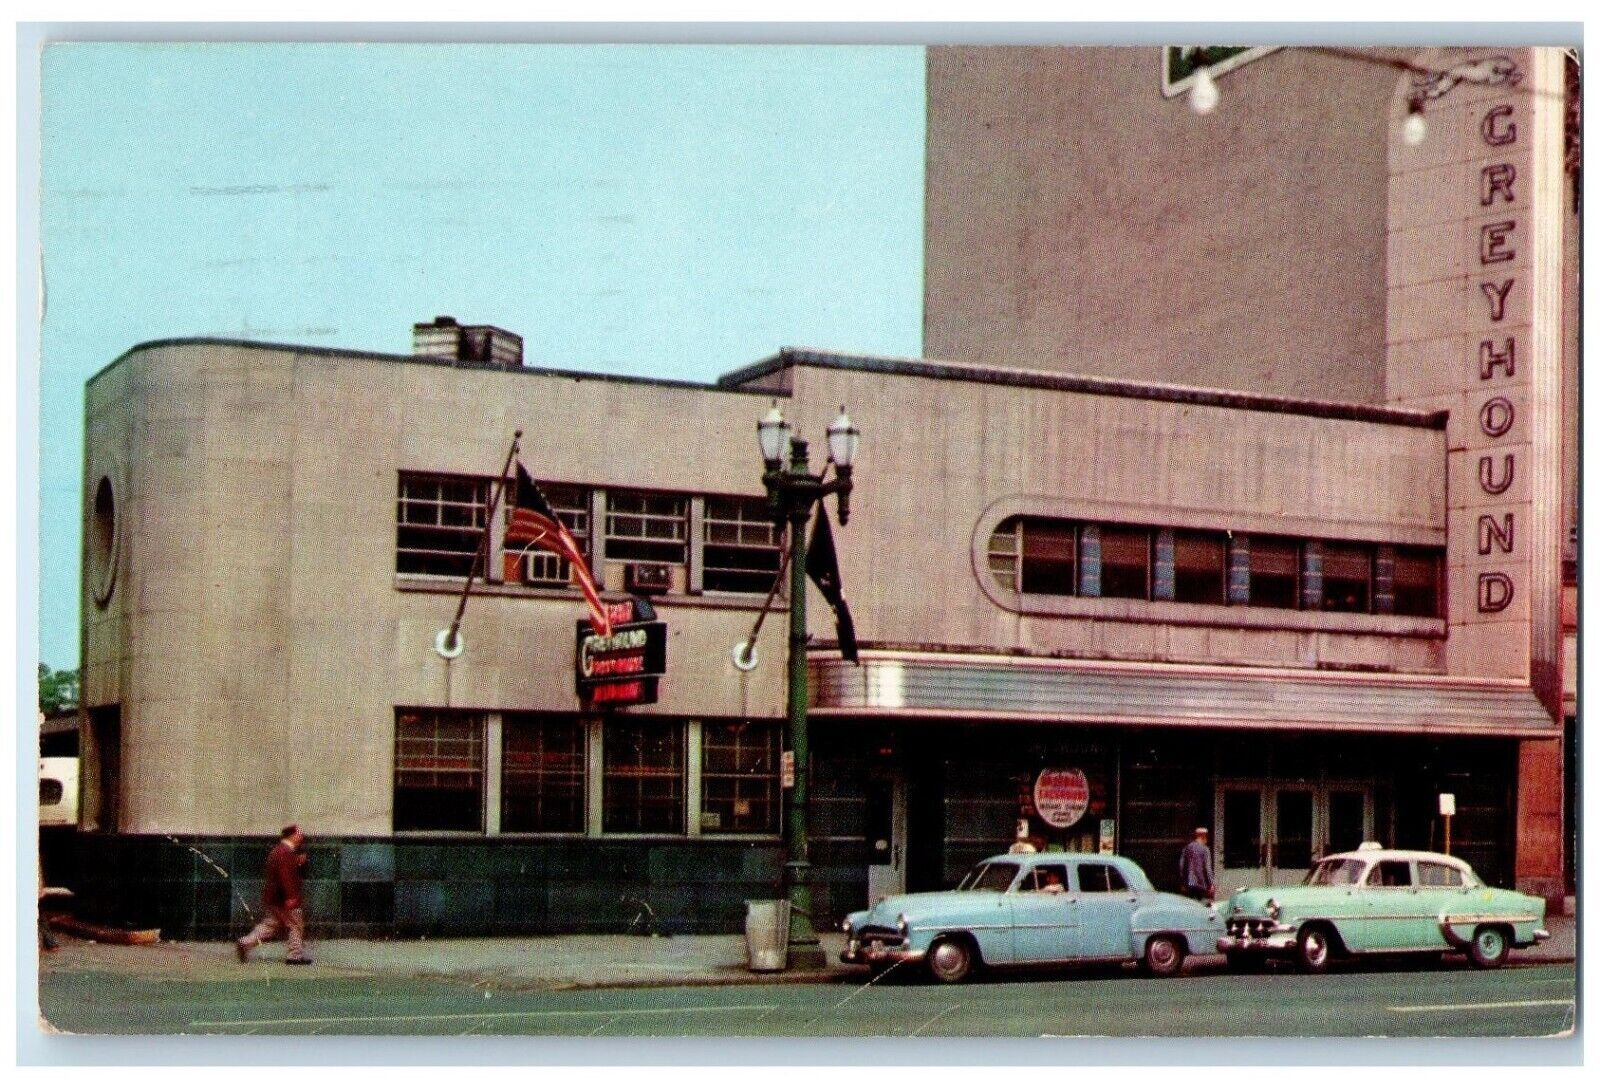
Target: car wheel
{"points": [[950, 959], [1246, 962], [1163, 956], [1313, 949], [1489, 947]]}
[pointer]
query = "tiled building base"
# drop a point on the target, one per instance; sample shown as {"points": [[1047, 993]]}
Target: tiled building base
{"points": [[197, 888]]}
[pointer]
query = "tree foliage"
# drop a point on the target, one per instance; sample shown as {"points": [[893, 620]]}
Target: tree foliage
{"points": [[58, 689]]}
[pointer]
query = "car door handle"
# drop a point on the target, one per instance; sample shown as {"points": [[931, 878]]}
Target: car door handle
{"points": [[1133, 898]]}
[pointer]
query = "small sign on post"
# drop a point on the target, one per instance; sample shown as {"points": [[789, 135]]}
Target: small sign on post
{"points": [[786, 770], [1447, 809]]}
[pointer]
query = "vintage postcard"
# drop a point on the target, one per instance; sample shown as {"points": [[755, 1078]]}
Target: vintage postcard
{"points": [[808, 541]]}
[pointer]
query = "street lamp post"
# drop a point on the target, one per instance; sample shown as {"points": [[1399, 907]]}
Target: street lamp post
{"points": [[792, 490]]}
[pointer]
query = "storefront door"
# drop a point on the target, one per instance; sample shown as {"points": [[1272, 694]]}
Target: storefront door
{"points": [[1271, 832], [886, 835]]}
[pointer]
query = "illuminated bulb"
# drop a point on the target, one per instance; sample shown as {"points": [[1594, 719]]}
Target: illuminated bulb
{"points": [[1415, 130], [1203, 95]]}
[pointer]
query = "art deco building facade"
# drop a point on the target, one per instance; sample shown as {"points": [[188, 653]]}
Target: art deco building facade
{"points": [[1240, 521]]}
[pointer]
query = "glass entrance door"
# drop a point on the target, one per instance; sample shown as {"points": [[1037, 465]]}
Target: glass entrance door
{"points": [[886, 836], [1271, 833]]}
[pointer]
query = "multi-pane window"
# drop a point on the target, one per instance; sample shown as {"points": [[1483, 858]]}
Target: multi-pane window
{"points": [[1042, 556], [1347, 577], [1199, 567], [439, 521], [643, 783], [647, 527], [741, 552], [1416, 581], [541, 565], [1274, 572], [543, 770], [1125, 562], [438, 771], [1035, 555], [1005, 550], [739, 777]]}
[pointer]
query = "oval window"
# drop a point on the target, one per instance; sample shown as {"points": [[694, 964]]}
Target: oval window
{"points": [[103, 542]]}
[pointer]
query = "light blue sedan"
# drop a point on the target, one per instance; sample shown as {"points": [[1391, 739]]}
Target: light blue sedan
{"points": [[1016, 910]]}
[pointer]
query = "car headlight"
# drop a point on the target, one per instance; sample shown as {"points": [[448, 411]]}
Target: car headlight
{"points": [[844, 927], [1273, 910], [903, 925]]}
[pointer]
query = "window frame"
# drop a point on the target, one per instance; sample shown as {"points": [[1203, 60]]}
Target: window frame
{"points": [[1297, 547], [639, 773], [477, 746], [771, 777], [1336, 552], [1435, 558], [1116, 529], [479, 516], [543, 566], [647, 517], [518, 721], [742, 522], [1192, 537]]}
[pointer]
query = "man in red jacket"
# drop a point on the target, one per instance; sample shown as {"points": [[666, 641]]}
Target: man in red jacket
{"points": [[282, 898]]}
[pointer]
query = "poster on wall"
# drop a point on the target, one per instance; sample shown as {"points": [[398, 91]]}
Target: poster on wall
{"points": [[1061, 797]]}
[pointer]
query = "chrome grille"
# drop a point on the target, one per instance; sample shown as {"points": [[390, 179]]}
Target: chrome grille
{"points": [[1249, 927]]}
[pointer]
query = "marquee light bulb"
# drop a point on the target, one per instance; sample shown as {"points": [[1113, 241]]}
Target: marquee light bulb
{"points": [[1415, 130], [1203, 95]]}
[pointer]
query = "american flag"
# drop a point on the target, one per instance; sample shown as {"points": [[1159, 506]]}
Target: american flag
{"points": [[535, 523]]}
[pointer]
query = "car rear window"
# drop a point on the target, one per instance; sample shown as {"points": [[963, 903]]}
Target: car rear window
{"points": [[1100, 878], [1436, 874], [1390, 874]]}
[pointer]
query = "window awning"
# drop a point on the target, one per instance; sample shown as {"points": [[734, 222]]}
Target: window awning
{"points": [[917, 684]]}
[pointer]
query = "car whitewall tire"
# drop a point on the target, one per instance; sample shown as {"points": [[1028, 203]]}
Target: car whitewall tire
{"points": [[1489, 947], [950, 960], [1313, 950], [1163, 956]]}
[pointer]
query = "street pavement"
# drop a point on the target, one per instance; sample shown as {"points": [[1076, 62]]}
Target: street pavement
{"points": [[698, 986], [1514, 1001]]}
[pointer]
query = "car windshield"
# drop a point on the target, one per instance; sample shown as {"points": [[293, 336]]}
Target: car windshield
{"points": [[1337, 871], [989, 876]]}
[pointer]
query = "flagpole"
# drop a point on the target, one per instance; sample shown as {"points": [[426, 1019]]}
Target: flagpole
{"points": [[483, 544]]}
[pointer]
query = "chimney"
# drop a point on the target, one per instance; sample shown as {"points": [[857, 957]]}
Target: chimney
{"points": [[445, 338]]}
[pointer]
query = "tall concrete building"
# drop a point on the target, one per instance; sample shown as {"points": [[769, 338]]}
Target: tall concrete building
{"points": [[1082, 218], [1219, 512]]}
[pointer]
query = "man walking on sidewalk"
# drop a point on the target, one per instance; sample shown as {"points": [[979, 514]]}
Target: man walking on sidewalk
{"points": [[282, 898], [1194, 868]]}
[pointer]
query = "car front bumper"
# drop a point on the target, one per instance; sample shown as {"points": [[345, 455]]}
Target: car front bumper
{"points": [[873, 952], [1277, 942]]}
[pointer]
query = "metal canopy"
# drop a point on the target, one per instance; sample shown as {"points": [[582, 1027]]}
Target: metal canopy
{"points": [[1067, 692]]}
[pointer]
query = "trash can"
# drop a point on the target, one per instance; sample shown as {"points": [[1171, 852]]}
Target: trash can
{"points": [[766, 934]]}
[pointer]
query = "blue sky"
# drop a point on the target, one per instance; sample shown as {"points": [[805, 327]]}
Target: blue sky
{"points": [[660, 210]]}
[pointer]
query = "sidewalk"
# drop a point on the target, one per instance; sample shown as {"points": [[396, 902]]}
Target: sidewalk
{"points": [[545, 962]]}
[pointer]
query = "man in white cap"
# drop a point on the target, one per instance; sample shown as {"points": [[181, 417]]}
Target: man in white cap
{"points": [[1194, 867]]}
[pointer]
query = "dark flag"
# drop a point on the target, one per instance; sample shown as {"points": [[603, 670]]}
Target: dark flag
{"points": [[822, 566], [535, 523]]}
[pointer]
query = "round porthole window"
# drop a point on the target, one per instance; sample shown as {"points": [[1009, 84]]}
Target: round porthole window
{"points": [[103, 542]]}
